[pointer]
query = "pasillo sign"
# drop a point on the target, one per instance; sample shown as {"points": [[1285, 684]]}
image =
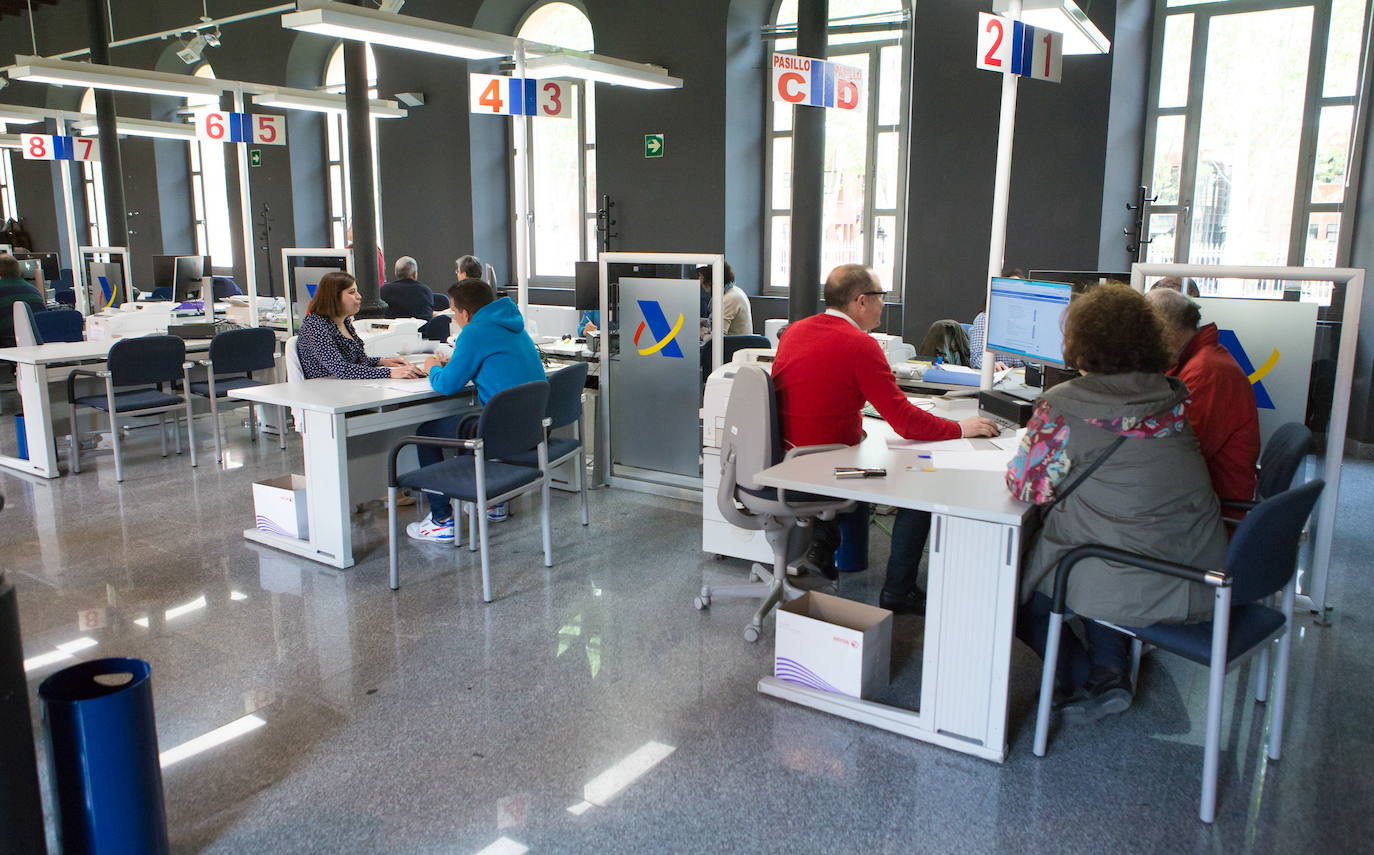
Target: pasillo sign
{"points": [[816, 82]]}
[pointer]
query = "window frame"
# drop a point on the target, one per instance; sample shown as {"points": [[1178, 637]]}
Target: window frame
{"points": [[338, 218], [9, 202]]}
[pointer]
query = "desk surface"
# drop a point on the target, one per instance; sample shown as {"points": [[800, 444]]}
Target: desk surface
{"points": [[959, 492], [75, 351], [332, 395]]}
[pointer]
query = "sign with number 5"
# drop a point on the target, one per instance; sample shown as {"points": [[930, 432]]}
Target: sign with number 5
{"points": [[242, 128], [269, 130]]}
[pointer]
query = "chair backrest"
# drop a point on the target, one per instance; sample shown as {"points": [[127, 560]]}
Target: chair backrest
{"points": [[751, 426], [241, 351], [1263, 553], [145, 360], [1282, 456], [25, 330], [294, 372], [162, 293], [730, 345], [225, 287], [437, 328], [60, 325], [441, 302], [512, 421], [565, 394], [946, 339]]}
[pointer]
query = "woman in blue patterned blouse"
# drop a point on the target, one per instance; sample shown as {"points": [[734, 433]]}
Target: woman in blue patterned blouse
{"points": [[327, 345]]}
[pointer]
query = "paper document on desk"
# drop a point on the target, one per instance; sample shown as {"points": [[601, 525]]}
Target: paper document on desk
{"points": [[420, 385], [1009, 443], [983, 461], [899, 444]]}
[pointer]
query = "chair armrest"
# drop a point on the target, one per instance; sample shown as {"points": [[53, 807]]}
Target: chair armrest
{"points": [[803, 450], [1237, 505], [725, 498], [468, 444], [84, 372], [1215, 578]]}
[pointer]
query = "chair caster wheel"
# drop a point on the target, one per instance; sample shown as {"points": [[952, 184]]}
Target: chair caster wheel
{"points": [[751, 633], [701, 603]]}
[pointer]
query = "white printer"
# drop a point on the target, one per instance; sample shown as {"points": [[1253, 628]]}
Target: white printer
{"points": [[717, 535], [129, 319]]}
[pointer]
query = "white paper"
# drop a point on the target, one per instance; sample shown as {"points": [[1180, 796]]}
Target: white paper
{"points": [[420, 385], [983, 461], [896, 442], [1007, 443]]}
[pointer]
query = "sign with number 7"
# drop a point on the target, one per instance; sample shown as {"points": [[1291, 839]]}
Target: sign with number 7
{"points": [[46, 147]]}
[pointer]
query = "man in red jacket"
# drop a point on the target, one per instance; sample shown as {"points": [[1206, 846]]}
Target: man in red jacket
{"points": [[1221, 401], [827, 366]]}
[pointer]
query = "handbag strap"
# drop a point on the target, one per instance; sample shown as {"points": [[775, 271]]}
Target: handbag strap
{"points": [[1087, 473]]}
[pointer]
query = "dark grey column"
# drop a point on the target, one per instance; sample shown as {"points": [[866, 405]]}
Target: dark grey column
{"points": [[359, 128], [21, 808], [808, 172], [111, 167]]}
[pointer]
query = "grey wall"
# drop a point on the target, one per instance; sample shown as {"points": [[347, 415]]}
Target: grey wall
{"points": [[1131, 46]]}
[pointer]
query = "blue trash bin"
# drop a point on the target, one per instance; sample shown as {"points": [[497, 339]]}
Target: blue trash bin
{"points": [[22, 436], [102, 747], [852, 555]]}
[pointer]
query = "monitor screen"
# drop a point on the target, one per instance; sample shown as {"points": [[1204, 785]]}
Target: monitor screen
{"points": [[51, 266], [188, 272], [1025, 319], [587, 285], [31, 269]]}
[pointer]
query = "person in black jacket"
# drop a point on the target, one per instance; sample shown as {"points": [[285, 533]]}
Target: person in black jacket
{"points": [[406, 297]]}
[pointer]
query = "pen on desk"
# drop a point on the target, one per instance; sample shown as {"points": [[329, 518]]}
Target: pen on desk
{"points": [[858, 472]]}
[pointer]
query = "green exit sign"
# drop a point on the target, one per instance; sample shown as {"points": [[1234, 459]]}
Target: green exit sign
{"points": [[654, 144], [255, 157]]}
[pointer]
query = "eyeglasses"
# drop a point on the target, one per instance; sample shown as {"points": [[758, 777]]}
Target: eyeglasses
{"points": [[872, 293]]}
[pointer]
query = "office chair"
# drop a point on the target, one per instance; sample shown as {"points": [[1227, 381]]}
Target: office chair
{"points": [[25, 328], [162, 294], [565, 408], [512, 423], [1282, 457], [437, 328], [1260, 561], [224, 286], [60, 325], [441, 302], [753, 442], [240, 353], [137, 362], [294, 374]]}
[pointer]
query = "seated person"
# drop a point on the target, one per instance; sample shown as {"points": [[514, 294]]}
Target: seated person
{"points": [[1149, 493], [14, 288], [736, 314], [587, 323], [468, 267], [407, 297], [827, 366], [1221, 402], [1174, 283], [327, 344], [493, 353], [978, 336]]}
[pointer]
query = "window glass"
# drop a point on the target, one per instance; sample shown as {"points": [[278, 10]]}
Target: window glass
{"points": [[95, 187], [1333, 147], [336, 150], [846, 175], [1343, 48], [211, 177], [1178, 56], [1168, 159]]}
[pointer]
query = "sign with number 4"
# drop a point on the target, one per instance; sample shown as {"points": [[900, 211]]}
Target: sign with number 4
{"points": [[1011, 46], [242, 128], [495, 95], [45, 147]]}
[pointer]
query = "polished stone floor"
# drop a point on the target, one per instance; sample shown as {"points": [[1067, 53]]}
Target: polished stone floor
{"points": [[591, 709]]}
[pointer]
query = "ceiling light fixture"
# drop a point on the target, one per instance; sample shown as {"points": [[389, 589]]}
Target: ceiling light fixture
{"points": [[62, 72], [602, 69], [141, 128], [379, 27], [1081, 36], [192, 50], [319, 102]]}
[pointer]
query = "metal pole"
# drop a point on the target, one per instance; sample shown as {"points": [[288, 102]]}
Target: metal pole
{"points": [[808, 172], [64, 171], [111, 166], [250, 261], [523, 210], [360, 180], [1001, 191]]}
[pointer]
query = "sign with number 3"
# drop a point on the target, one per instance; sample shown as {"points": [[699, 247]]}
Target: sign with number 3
{"points": [[496, 95]]}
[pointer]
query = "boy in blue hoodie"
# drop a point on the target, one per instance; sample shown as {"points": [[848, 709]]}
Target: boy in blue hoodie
{"points": [[493, 353]]}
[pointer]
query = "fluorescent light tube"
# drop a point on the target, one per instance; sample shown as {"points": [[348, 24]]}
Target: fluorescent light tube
{"points": [[356, 23], [62, 72], [142, 128], [1081, 36], [602, 69], [320, 102]]}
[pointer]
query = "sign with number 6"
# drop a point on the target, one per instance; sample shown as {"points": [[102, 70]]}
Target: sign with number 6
{"points": [[242, 128], [45, 147]]}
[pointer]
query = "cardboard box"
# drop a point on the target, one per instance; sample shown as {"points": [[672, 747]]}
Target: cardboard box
{"points": [[833, 644], [279, 504]]}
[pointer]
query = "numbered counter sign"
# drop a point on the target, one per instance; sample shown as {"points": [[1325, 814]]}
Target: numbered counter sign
{"points": [[242, 128], [494, 95], [1007, 45], [816, 82], [45, 147]]}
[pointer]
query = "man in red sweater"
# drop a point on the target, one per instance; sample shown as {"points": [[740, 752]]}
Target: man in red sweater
{"points": [[827, 366], [1221, 401]]}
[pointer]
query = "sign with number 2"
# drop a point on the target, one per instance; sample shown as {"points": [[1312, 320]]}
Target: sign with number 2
{"points": [[1011, 46]]}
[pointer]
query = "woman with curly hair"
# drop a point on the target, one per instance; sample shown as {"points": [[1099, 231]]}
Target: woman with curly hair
{"points": [[1110, 458]]}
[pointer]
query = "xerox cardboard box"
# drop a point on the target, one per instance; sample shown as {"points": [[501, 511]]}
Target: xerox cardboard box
{"points": [[279, 504], [833, 644]]}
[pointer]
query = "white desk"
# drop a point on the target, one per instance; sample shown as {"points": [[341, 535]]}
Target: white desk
{"points": [[36, 367], [348, 429], [971, 596]]}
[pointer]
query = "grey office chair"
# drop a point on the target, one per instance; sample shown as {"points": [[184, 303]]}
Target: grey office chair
{"points": [[234, 356], [25, 327], [753, 442]]}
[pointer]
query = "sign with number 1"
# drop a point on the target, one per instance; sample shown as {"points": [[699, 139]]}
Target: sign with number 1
{"points": [[1011, 46], [45, 147]]}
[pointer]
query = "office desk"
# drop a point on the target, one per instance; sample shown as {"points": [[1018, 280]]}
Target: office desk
{"points": [[348, 428], [971, 596], [37, 367]]}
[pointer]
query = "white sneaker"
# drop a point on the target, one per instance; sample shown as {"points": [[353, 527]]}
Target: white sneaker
{"points": [[426, 529], [498, 513]]}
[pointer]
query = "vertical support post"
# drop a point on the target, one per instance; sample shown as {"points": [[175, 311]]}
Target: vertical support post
{"points": [[111, 166], [64, 170], [250, 260], [1001, 191], [521, 131], [358, 126], [808, 172]]}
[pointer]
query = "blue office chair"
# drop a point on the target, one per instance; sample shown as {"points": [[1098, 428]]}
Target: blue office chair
{"points": [[437, 328], [162, 293], [1260, 561], [730, 345], [60, 325], [65, 296], [511, 423], [225, 287], [565, 409], [441, 302], [136, 362], [234, 356]]}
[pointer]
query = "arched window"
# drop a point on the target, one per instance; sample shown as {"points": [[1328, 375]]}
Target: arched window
{"points": [[865, 164], [97, 228], [210, 185], [336, 150], [562, 156]]}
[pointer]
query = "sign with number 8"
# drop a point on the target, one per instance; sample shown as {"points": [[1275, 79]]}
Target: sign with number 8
{"points": [[46, 147]]}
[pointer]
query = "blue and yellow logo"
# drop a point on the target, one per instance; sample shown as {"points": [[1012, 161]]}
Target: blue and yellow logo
{"points": [[664, 335], [1231, 342]]}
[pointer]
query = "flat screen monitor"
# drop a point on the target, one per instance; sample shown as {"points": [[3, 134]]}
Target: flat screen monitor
{"points": [[32, 270], [1025, 319], [52, 266], [587, 285], [188, 271], [106, 280]]}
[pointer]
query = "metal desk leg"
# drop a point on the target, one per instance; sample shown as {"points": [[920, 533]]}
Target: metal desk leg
{"points": [[325, 442], [38, 429]]}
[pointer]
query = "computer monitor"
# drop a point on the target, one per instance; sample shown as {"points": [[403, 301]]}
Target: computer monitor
{"points": [[587, 285], [187, 273], [1025, 319], [51, 264]]}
